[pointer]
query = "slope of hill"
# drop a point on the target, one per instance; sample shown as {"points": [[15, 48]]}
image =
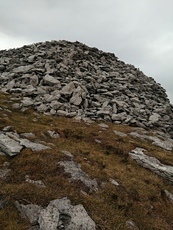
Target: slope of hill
{"points": [[65, 78], [105, 163]]}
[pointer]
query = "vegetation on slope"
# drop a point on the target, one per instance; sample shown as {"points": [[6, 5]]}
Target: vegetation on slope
{"points": [[139, 196]]}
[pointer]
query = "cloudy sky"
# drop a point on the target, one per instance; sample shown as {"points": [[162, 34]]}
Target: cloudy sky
{"points": [[139, 32]]}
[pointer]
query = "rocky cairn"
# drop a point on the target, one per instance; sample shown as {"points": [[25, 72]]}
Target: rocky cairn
{"points": [[71, 79]]}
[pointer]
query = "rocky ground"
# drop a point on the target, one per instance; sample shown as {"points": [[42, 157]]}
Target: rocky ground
{"points": [[85, 142], [72, 79]]}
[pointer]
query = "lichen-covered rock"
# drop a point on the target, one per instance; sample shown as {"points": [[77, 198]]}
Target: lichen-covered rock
{"points": [[59, 214], [77, 174]]}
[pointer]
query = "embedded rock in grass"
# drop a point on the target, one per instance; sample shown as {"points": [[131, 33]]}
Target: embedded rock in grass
{"points": [[33, 146], [165, 171], [77, 174], [30, 211], [9, 146], [121, 134], [103, 125], [164, 141], [169, 195], [67, 153], [38, 183], [59, 214], [4, 172]]}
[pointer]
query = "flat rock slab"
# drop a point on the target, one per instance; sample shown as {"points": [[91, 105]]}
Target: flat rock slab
{"points": [[30, 211], [59, 214], [33, 146], [9, 146], [164, 143], [77, 174], [166, 171]]}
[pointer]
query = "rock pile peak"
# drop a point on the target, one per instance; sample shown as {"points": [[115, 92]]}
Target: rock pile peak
{"points": [[71, 79]]}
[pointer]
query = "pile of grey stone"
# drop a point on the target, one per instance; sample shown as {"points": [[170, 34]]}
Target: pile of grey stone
{"points": [[71, 79]]}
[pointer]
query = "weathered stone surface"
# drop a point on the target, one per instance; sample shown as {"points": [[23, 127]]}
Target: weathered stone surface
{"points": [[33, 146], [9, 146], [114, 182], [121, 134], [164, 142], [169, 195], [77, 174], [30, 211], [67, 153], [59, 214], [131, 225], [154, 117], [4, 172], [103, 125], [49, 80], [77, 96], [38, 183], [53, 134], [166, 171], [69, 79], [68, 89]]}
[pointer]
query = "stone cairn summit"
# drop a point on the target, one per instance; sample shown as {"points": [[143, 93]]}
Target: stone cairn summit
{"points": [[74, 80]]}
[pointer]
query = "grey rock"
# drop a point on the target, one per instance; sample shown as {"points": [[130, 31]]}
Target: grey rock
{"points": [[154, 117], [61, 112], [49, 80], [121, 134], [60, 214], [42, 108], [53, 134], [56, 105], [97, 141], [67, 153], [77, 173], [114, 182], [38, 183], [68, 89], [30, 212], [33, 146], [77, 96], [102, 125], [4, 172], [9, 146], [22, 69], [169, 195], [27, 135], [119, 116], [131, 225], [165, 171], [165, 143], [7, 129], [27, 101]]}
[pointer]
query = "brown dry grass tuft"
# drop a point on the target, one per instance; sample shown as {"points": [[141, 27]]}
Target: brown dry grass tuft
{"points": [[139, 196]]}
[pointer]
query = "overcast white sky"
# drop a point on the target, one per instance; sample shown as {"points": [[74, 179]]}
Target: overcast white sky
{"points": [[139, 32]]}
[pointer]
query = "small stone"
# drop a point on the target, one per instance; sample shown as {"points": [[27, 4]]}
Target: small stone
{"points": [[102, 125], [114, 182]]}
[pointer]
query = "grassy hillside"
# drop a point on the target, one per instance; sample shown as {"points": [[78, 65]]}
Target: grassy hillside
{"points": [[139, 196]]}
